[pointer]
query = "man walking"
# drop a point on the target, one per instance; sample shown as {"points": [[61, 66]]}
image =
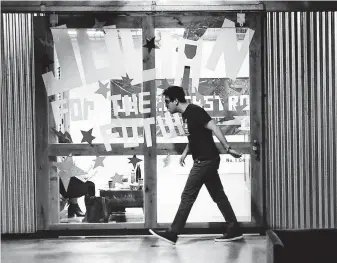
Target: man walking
{"points": [[206, 157]]}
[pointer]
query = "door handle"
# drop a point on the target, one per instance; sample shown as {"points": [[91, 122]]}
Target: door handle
{"points": [[256, 149]]}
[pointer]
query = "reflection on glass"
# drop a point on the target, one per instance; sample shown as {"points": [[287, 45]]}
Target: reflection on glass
{"points": [[110, 68], [226, 100], [98, 189], [234, 175], [101, 189]]}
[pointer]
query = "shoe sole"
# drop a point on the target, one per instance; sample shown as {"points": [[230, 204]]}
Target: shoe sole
{"points": [[229, 239], [162, 238]]}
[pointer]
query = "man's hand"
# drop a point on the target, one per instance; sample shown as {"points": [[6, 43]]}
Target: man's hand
{"points": [[234, 153], [218, 133], [182, 159]]}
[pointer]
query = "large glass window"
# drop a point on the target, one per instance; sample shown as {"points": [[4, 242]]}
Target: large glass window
{"points": [[109, 124], [83, 112], [185, 59]]}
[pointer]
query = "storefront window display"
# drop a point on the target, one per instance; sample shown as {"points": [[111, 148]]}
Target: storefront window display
{"points": [[98, 98]]}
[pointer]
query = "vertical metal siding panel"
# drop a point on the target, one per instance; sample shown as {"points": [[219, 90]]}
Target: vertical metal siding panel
{"points": [[334, 92], [306, 33], [271, 121], [287, 156], [329, 138], [273, 54], [16, 125], [281, 116], [6, 128], [23, 128], [319, 113], [312, 127], [312, 121], [273, 128], [298, 86], [270, 180], [302, 98], [3, 94], [30, 106], [31, 62], [297, 92], [17, 142], [335, 110], [20, 130], [331, 121], [2, 155], [11, 76], [324, 127], [30, 85], [32, 124], [293, 120], [281, 130], [289, 175], [9, 128], [266, 106], [276, 158], [272, 125], [14, 114], [333, 141]]}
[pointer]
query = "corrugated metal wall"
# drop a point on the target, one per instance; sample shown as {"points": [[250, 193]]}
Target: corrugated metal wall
{"points": [[301, 74], [17, 125]]}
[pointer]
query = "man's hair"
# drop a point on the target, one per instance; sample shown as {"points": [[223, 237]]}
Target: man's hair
{"points": [[175, 92]]}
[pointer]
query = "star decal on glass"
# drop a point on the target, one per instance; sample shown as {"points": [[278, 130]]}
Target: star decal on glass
{"points": [[65, 177], [126, 81], [99, 25], [150, 44], [87, 137], [63, 137], [103, 90], [240, 109], [164, 84], [65, 165], [67, 170], [118, 178], [134, 160], [99, 161]]}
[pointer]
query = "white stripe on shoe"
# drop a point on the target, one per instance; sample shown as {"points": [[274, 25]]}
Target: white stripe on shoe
{"points": [[162, 238]]}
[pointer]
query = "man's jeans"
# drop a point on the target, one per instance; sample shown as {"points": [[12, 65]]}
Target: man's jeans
{"points": [[202, 172]]}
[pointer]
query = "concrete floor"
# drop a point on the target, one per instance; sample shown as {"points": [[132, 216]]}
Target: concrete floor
{"points": [[145, 249]]}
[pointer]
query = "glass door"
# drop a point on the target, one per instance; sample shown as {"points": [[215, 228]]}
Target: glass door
{"points": [[216, 61], [97, 110]]}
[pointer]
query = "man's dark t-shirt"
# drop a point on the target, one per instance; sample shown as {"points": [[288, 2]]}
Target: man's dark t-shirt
{"points": [[201, 143]]}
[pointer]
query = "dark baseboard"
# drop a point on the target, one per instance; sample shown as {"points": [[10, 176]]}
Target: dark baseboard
{"points": [[117, 232], [309, 246]]}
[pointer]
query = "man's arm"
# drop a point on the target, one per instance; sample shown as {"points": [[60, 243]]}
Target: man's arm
{"points": [[211, 125], [218, 133], [187, 148]]}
